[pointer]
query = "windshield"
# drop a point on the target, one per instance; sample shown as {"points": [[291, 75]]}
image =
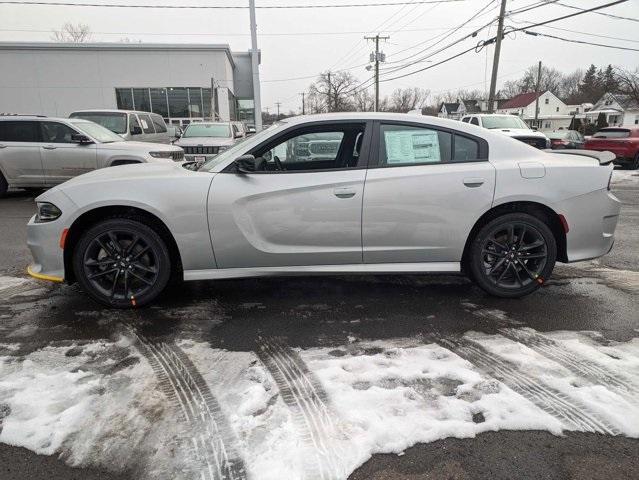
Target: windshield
{"points": [[241, 145], [216, 130], [114, 121], [612, 133], [98, 132], [504, 121]]}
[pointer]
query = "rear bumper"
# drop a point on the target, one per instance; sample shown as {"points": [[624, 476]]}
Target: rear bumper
{"points": [[592, 220]]}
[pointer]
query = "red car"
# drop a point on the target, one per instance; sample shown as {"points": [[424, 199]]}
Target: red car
{"points": [[622, 141]]}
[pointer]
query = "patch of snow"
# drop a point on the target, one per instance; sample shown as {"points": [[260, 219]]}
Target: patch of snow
{"points": [[7, 282], [621, 177]]}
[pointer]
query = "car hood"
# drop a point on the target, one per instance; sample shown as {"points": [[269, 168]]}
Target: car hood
{"points": [[204, 142], [132, 146], [519, 132]]}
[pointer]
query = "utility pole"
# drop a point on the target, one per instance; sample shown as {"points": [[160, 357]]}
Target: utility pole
{"points": [[537, 94], [278, 110], [379, 57], [493, 77], [255, 67], [303, 104]]}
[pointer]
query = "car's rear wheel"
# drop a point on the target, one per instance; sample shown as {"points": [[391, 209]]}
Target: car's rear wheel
{"points": [[634, 165], [512, 255], [122, 263], [4, 186]]}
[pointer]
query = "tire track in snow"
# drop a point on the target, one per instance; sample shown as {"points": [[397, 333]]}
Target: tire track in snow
{"points": [[213, 442], [574, 362], [17, 286], [573, 414], [309, 405]]}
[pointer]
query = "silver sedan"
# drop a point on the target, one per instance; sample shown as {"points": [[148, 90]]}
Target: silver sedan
{"points": [[331, 194]]}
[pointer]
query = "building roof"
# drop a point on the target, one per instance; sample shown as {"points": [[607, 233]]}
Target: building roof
{"points": [[472, 106], [521, 100], [451, 107], [119, 46]]}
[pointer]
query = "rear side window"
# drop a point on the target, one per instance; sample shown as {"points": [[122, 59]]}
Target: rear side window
{"points": [[474, 121], [612, 133], [158, 122], [465, 149], [406, 145], [147, 124], [465, 119], [19, 132], [133, 122]]}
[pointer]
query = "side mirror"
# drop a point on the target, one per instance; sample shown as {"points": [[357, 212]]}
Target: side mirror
{"points": [[245, 163], [81, 139], [136, 130]]}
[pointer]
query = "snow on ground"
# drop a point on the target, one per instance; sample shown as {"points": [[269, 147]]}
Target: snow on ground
{"points": [[284, 413], [625, 176]]}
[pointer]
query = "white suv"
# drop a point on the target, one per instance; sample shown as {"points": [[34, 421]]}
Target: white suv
{"points": [[40, 152], [510, 125]]}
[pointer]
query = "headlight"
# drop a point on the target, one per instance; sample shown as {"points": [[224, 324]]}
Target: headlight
{"points": [[46, 212], [168, 154]]}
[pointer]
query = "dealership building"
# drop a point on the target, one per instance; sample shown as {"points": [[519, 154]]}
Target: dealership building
{"points": [[181, 82]]}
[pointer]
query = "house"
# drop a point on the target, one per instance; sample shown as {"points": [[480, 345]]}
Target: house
{"points": [[456, 110], [552, 114], [618, 109]]}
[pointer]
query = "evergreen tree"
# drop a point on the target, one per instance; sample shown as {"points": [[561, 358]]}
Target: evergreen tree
{"points": [[608, 80], [601, 121], [590, 85]]}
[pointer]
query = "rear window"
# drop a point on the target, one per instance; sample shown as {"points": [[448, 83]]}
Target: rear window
{"points": [[557, 135], [612, 133], [114, 121], [19, 131]]}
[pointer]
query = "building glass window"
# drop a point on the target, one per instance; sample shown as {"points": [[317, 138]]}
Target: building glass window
{"points": [[206, 102], [124, 98], [178, 102], [195, 102], [245, 110], [158, 102], [232, 106], [141, 99]]}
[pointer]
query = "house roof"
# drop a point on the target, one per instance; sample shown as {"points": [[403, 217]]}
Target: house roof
{"points": [[472, 106], [521, 100], [451, 107]]}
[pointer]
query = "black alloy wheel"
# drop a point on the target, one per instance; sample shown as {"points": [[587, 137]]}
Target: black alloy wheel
{"points": [[122, 263], [513, 255]]}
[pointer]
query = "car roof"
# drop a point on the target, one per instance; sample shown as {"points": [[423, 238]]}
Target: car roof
{"points": [[32, 118], [112, 110]]}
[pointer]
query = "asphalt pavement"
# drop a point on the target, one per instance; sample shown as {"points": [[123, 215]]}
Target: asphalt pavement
{"points": [[598, 296]]}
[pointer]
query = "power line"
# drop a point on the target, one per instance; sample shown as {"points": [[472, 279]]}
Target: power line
{"points": [[223, 7], [590, 34], [537, 34], [618, 17]]}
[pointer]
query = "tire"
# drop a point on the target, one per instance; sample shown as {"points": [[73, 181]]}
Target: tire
{"points": [[634, 165], [4, 186], [502, 271], [122, 263]]}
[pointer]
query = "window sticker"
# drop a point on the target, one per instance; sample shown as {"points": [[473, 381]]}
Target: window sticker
{"points": [[144, 124], [411, 146]]}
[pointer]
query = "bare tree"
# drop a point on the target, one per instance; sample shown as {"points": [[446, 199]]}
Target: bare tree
{"points": [[364, 100], [628, 82], [70, 33], [334, 92], [570, 87], [406, 99]]}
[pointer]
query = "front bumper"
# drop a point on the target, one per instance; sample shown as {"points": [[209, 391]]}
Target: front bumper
{"points": [[592, 220], [43, 240]]}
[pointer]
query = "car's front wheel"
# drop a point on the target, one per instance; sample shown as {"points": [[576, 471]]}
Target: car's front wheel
{"points": [[512, 255], [122, 262]]}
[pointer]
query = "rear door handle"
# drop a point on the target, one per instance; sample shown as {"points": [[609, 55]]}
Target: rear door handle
{"points": [[473, 182], [49, 147], [344, 192]]}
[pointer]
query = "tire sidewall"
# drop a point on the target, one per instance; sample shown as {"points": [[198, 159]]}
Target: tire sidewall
{"points": [[155, 242], [476, 262], [4, 186]]}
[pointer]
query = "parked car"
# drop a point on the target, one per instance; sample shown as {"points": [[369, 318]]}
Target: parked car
{"points": [[510, 125], [622, 141], [204, 140], [401, 194], [566, 139], [129, 124], [39, 152], [250, 129]]}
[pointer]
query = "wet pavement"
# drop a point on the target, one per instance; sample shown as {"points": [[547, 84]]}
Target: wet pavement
{"points": [[278, 321]]}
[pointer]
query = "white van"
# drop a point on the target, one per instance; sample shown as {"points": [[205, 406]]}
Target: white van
{"points": [[129, 124]]}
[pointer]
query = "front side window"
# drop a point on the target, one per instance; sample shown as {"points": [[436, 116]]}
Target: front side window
{"points": [[147, 124], [407, 145], [54, 132], [314, 148], [19, 132]]}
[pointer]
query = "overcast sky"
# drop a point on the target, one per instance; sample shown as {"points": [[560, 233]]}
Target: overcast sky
{"points": [[304, 42]]}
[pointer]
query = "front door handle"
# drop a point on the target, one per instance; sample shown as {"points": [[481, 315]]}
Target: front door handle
{"points": [[49, 147], [344, 192], [3, 146], [473, 182]]}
